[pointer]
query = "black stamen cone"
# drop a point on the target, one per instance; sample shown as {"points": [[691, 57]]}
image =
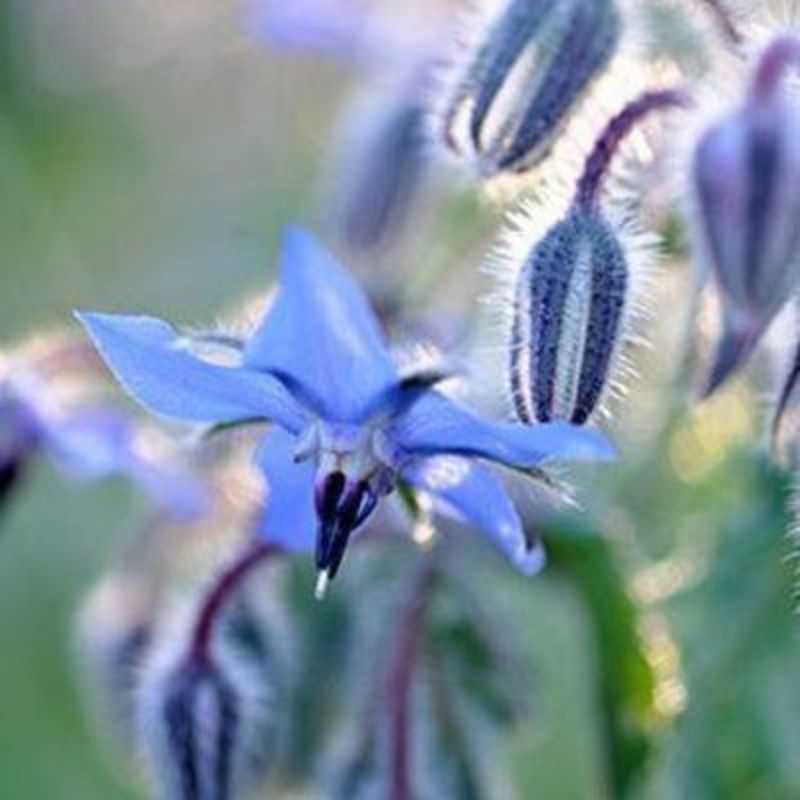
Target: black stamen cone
{"points": [[327, 503], [354, 508]]}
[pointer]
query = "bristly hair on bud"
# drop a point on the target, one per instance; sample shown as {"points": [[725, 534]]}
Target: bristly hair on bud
{"points": [[793, 533], [568, 316], [575, 290], [205, 710], [529, 70], [113, 633], [745, 174]]}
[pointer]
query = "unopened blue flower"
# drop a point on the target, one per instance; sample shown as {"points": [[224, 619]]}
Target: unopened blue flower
{"points": [[348, 427], [383, 159], [87, 443]]}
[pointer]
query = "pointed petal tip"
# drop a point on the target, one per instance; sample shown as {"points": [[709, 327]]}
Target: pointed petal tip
{"points": [[296, 231], [88, 318], [301, 251], [141, 353], [584, 444], [97, 322], [603, 449]]}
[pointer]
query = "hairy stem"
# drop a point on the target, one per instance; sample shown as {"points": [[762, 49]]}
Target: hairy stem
{"points": [[597, 164], [400, 680], [222, 591]]}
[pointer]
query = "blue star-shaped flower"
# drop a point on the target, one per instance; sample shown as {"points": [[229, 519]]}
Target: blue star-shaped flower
{"points": [[347, 425]]}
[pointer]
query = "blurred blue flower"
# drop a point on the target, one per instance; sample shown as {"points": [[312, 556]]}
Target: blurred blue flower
{"points": [[87, 443], [384, 159], [348, 426], [347, 30]]}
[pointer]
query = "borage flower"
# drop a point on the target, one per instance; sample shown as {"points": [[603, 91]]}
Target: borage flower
{"points": [[349, 427], [86, 442]]}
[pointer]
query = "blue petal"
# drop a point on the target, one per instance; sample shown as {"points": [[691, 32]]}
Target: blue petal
{"points": [[322, 332], [289, 519], [145, 356], [474, 494], [435, 424]]}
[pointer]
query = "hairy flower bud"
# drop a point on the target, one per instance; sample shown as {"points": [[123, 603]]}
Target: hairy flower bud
{"points": [[382, 172], [521, 82], [746, 184], [567, 320], [572, 292], [206, 727]]}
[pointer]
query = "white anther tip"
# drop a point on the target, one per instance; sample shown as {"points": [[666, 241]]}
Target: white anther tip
{"points": [[323, 580]]}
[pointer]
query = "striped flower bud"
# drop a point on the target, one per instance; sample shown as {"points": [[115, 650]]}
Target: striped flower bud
{"points": [[746, 184], [568, 314], [572, 293], [207, 729], [530, 70], [206, 725]]}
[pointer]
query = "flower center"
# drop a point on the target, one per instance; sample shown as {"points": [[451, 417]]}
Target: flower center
{"points": [[352, 474]]}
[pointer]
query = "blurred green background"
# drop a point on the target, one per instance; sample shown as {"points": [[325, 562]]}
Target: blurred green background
{"points": [[150, 153]]}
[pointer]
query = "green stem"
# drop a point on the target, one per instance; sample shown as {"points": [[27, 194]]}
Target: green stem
{"points": [[625, 678]]}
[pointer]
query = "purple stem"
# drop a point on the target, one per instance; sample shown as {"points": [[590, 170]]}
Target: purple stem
{"points": [[222, 591], [783, 51], [598, 161], [400, 680]]}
